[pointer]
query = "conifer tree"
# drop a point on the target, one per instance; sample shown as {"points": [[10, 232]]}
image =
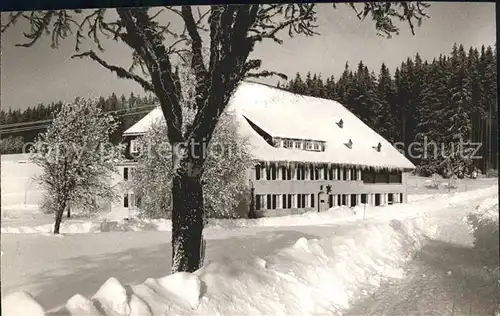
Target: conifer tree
{"points": [[386, 92], [456, 116]]}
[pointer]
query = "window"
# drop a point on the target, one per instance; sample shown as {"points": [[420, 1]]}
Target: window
{"points": [[400, 197], [311, 172], [303, 205], [312, 200], [274, 201], [268, 173], [132, 199], [273, 172], [269, 200], [289, 173], [339, 174], [257, 201], [298, 144], [353, 200], [283, 173], [308, 145], [301, 172], [363, 198], [354, 174], [325, 172], [344, 199], [288, 144], [299, 200], [283, 201], [344, 176], [134, 146], [125, 173], [289, 204], [125, 200], [330, 200], [316, 146], [395, 177], [257, 172]]}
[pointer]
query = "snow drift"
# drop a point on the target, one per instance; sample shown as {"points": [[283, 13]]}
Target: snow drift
{"points": [[314, 276], [484, 226]]}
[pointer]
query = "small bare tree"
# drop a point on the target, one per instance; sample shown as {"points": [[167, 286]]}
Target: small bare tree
{"points": [[232, 31]]}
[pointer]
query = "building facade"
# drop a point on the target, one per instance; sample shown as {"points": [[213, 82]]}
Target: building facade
{"points": [[309, 153]]}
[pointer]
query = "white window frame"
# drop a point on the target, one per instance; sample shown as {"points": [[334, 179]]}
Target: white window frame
{"points": [[131, 173], [134, 146], [309, 145]]}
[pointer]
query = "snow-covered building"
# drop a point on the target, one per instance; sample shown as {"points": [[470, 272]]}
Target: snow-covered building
{"points": [[310, 153]]}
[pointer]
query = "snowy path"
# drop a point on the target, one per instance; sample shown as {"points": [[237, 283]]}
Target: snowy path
{"points": [[444, 278]]}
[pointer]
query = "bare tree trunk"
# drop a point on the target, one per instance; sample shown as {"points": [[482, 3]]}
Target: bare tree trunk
{"points": [[68, 214], [187, 216], [59, 214]]}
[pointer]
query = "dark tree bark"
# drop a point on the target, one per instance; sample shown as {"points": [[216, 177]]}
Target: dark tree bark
{"points": [[68, 214], [187, 212], [59, 214]]}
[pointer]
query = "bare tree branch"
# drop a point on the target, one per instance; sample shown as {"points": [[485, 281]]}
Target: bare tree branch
{"points": [[196, 43], [39, 25], [13, 17], [120, 72], [383, 13]]}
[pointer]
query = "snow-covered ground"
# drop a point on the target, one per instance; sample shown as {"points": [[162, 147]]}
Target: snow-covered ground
{"points": [[314, 263], [310, 268]]}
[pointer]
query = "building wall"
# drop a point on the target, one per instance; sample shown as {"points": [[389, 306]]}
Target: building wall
{"points": [[352, 192]]}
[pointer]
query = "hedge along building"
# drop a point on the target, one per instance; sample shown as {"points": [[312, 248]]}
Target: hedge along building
{"points": [[310, 153]]}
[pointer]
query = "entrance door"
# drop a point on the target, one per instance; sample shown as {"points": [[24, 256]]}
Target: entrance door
{"points": [[322, 202]]}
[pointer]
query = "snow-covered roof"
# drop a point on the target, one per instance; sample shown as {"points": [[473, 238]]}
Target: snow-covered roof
{"points": [[284, 114]]}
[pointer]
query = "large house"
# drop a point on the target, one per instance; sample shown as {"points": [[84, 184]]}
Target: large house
{"points": [[310, 154]]}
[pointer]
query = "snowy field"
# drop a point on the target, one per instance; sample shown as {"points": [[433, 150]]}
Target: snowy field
{"points": [[307, 264]]}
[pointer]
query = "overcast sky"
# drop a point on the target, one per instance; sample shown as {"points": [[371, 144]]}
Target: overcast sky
{"points": [[40, 74]]}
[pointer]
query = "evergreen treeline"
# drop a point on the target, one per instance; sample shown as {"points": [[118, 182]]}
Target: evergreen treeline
{"points": [[445, 100], [13, 136]]}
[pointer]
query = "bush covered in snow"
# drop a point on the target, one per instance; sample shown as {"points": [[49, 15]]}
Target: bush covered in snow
{"points": [[225, 182], [434, 182]]}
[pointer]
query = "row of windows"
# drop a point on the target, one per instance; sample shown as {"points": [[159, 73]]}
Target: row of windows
{"points": [[307, 145], [311, 172], [288, 201], [283, 201], [303, 172]]}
